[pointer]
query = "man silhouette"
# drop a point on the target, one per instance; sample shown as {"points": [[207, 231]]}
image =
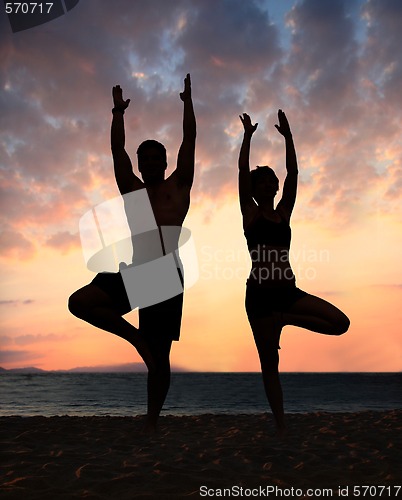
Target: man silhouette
{"points": [[104, 301]]}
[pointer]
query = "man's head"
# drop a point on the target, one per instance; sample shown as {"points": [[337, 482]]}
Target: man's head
{"points": [[152, 161], [264, 183]]}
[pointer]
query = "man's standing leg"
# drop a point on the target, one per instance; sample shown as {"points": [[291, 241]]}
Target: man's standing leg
{"points": [[160, 325], [158, 381]]}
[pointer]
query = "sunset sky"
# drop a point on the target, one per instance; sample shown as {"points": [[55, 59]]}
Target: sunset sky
{"points": [[334, 67]]}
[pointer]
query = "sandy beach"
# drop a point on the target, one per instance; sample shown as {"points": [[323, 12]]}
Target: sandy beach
{"points": [[198, 456]]}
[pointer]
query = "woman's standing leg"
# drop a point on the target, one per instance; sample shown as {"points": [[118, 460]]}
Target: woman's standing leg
{"points": [[267, 333]]}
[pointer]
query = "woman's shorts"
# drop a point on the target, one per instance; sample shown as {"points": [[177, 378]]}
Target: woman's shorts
{"points": [[263, 301]]}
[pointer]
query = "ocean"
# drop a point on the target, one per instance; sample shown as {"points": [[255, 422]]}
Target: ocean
{"points": [[124, 394]]}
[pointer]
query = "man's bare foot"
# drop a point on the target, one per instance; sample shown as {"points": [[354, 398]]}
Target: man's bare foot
{"points": [[149, 428]]}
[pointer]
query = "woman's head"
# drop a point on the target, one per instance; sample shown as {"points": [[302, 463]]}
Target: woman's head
{"points": [[264, 183]]}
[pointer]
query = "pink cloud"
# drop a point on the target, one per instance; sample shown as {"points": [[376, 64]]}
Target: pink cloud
{"points": [[64, 241], [335, 83], [15, 245]]}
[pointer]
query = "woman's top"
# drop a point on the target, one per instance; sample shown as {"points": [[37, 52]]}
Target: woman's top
{"points": [[268, 243]]}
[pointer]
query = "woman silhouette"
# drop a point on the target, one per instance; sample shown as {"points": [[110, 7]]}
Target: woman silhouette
{"points": [[272, 298]]}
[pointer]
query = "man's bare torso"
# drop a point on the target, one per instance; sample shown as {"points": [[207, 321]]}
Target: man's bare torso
{"points": [[170, 201]]}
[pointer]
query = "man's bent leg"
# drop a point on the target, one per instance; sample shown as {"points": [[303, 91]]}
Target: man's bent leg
{"points": [[94, 306]]}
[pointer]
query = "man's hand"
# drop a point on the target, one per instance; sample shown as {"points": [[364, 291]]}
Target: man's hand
{"points": [[249, 129], [283, 127], [186, 94], [118, 100]]}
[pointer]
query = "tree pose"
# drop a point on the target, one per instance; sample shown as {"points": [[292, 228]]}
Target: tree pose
{"points": [[104, 301], [272, 298]]}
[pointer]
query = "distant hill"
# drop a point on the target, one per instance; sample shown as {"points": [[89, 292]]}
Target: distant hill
{"points": [[28, 369], [124, 368]]}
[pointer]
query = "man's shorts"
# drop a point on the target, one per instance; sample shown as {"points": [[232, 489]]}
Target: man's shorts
{"points": [[161, 320]]}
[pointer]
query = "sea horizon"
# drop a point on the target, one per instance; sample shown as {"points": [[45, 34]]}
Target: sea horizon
{"points": [[141, 368], [194, 393]]}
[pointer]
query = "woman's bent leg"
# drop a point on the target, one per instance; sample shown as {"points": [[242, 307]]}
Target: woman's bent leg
{"points": [[317, 315]]}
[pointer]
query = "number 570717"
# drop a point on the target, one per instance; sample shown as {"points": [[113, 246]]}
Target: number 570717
{"points": [[28, 8]]}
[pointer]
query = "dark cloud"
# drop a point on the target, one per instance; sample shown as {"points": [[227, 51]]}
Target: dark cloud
{"points": [[229, 38], [215, 179], [335, 81], [57, 86], [338, 115], [12, 356], [323, 60], [383, 49], [30, 339]]}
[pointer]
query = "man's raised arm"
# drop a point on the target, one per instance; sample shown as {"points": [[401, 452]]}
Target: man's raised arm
{"points": [[123, 169], [186, 158]]}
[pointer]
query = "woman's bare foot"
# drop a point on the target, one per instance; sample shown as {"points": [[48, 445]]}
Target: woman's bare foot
{"points": [[281, 432]]}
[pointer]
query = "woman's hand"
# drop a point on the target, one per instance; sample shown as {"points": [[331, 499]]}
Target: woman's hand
{"points": [[118, 100], [249, 129], [283, 127]]}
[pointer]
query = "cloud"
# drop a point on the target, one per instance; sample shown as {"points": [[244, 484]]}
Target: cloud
{"points": [[16, 245], [56, 116], [11, 356], [216, 178], [30, 339], [338, 110], [336, 77], [391, 286], [64, 241], [15, 303], [6, 340], [334, 67], [382, 52], [228, 38], [323, 59]]}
